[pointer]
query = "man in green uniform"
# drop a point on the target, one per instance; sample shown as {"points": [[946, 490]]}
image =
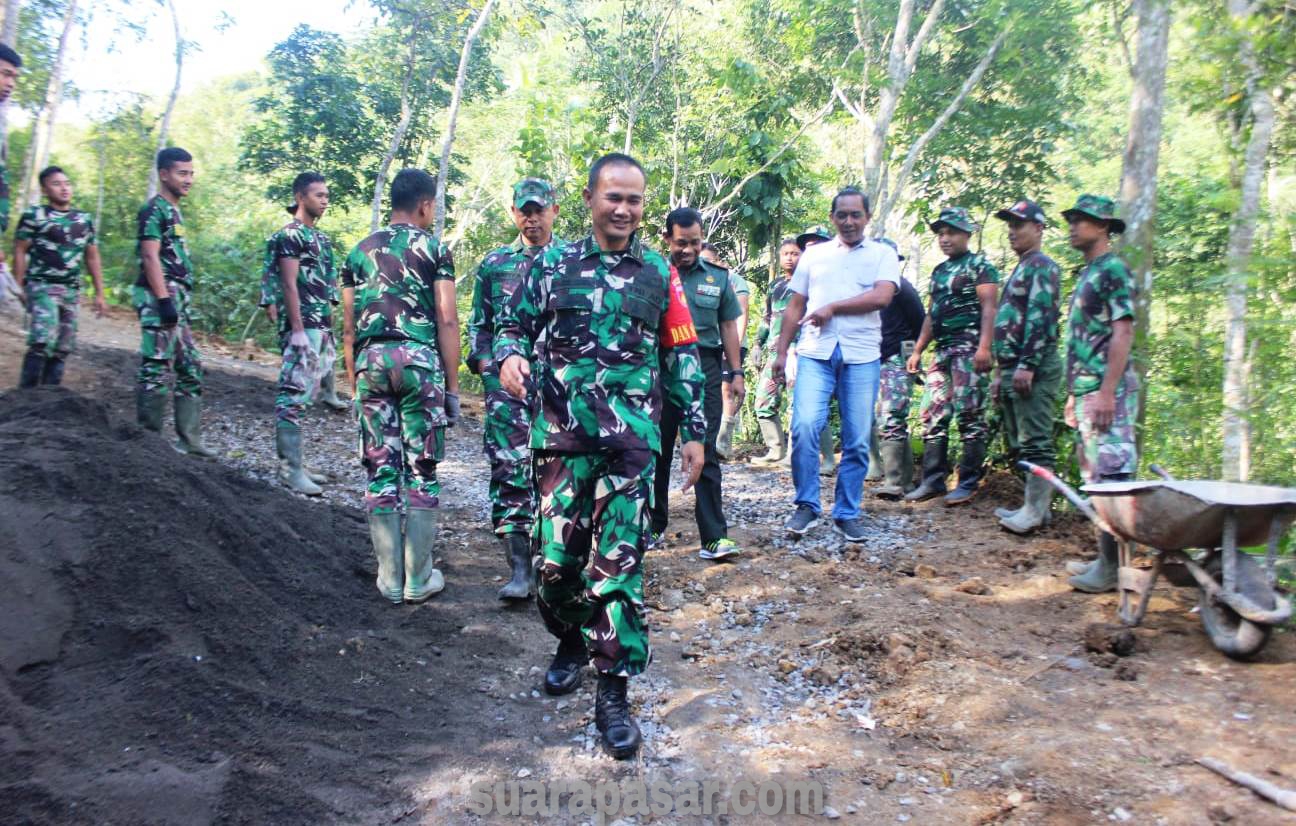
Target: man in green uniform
{"points": [[400, 333], [49, 245], [731, 405], [1103, 388], [592, 324], [960, 319], [162, 297], [10, 63], [715, 310], [507, 431], [1029, 367], [769, 393], [299, 261]]}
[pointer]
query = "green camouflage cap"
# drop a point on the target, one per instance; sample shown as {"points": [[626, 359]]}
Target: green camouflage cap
{"points": [[956, 218], [893, 245], [533, 191], [1098, 207], [818, 232]]}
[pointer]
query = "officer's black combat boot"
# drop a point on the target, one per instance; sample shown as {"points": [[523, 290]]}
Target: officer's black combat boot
{"points": [[935, 467], [517, 549], [53, 373], [33, 367], [564, 673], [621, 737], [971, 471]]}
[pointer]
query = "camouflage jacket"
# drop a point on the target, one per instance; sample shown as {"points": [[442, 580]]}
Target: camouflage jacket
{"points": [[59, 239], [317, 288], [394, 272], [1026, 326], [776, 301], [711, 300], [160, 220], [955, 309], [497, 278], [1104, 293], [594, 326]]}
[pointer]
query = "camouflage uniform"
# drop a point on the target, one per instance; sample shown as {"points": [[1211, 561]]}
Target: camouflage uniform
{"points": [[1104, 294], [895, 388], [507, 430], [400, 380], [59, 239], [594, 325], [163, 348], [769, 393], [1025, 337], [317, 292]]}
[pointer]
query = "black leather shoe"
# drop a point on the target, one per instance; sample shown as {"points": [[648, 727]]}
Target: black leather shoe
{"points": [[564, 673], [621, 737]]}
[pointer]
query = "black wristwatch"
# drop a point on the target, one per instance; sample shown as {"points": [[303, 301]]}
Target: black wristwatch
{"points": [[728, 375]]}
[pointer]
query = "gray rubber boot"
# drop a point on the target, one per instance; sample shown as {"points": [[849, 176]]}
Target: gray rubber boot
{"points": [[1034, 512], [935, 465], [897, 458], [970, 473], [724, 439], [876, 467], [827, 452], [288, 444], [315, 476], [1101, 576], [328, 394], [149, 409], [385, 534], [188, 424], [517, 550], [422, 579], [772, 435], [33, 366]]}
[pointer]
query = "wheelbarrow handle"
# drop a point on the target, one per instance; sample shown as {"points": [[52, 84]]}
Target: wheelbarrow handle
{"points": [[1069, 492], [1162, 472]]}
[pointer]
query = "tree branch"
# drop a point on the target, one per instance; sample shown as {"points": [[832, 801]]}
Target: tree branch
{"points": [[443, 170]]}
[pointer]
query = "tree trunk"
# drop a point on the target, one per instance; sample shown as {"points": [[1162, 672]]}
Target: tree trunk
{"points": [[101, 154], [443, 170], [165, 126], [398, 136], [38, 149], [1138, 188], [1236, 433]]}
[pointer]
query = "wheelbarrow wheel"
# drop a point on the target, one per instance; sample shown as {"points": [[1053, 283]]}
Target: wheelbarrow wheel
{"points": [[1232, 634]]}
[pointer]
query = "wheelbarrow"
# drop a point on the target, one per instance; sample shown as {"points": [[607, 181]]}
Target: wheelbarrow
{"points": [[1240, 602]]}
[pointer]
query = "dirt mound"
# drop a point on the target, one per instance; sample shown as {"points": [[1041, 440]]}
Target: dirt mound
{"points": [[178, 642]]}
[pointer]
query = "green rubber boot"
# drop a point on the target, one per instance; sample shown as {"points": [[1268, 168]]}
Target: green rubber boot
{"points": [[876, 467], [827, 452], [724, 439], [188, 424], [1101, 576], [517, 551], [328, 394], [897, 467], [772, 435], [422, 579], [385, 534], [288, 444], [33, 366], [935, 467], [1035, 511], [149, 409]]}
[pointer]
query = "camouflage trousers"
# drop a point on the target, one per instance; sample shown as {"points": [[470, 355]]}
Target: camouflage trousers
{"points": [[167, 348], [895, 389], [402, 424], [53, 327], [1113, 453], [507, 436], [954, 390], [595, 503], [769, 393], [300, 374]]}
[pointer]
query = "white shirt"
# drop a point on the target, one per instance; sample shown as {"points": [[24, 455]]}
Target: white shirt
{"points": [[831, 271]]}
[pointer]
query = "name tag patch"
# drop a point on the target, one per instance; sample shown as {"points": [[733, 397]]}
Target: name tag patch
{"points": [[704, 289]]}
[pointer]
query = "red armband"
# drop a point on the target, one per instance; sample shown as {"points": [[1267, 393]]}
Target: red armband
{"points": [[677, 325]]}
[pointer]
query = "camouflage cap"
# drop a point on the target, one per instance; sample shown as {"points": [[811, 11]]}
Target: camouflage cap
{"points": [[893, 245], [533, 191], [1023, 210], [818, 232], [955, 217], [1098, 207]]}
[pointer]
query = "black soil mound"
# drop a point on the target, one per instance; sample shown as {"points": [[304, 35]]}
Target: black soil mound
{"points": [[180, 644]]}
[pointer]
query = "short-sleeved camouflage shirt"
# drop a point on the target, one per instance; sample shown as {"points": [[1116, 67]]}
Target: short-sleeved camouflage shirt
{"points": [[1104, 293], [776, 301], [955, 309], [1026, 326], [498, 276], [394, 272], [59, 238], [317, 289], [160, 220]]}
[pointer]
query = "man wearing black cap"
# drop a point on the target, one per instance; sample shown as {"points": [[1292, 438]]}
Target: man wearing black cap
{"points": [[1026, 355]]}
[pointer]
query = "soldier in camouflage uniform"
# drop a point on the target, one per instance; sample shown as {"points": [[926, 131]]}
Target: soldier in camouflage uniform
{"points": [[769, 393], [961, 321], [1102, 404], [1027, 360], [602, 327], [10, 63], [731, 411], [507, 430], [400, 331], [299, 262], [902, 322], [162, 296], [49, 245]]}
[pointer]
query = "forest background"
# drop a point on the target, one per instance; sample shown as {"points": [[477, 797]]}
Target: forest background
{"points": [[754, 111]]}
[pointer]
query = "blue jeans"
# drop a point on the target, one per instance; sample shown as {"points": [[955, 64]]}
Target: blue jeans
{"points": [[856, 387]]}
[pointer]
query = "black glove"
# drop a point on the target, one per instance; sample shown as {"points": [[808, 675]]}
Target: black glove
{"points": [[167, 312], [452, 409]]}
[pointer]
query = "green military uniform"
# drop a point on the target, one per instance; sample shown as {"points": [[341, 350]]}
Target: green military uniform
{"points": [[711, 301], [59, 239], [163, 348], [604, 335], [769, 393]]}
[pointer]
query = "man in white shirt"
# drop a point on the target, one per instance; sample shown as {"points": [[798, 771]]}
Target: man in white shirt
{"points": [[838, 289]]}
